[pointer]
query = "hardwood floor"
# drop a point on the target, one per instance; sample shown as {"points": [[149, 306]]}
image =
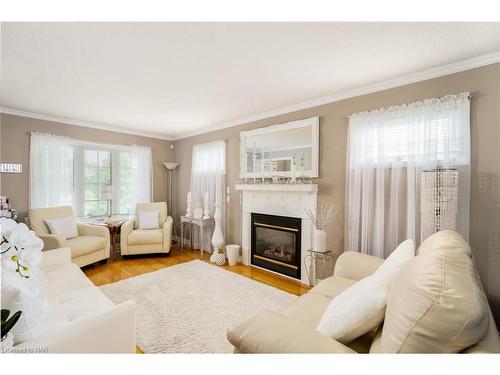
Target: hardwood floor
{"points": [[116, 270]]}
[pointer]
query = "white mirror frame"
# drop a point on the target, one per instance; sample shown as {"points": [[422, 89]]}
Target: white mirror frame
{"points": [[312, 122]]}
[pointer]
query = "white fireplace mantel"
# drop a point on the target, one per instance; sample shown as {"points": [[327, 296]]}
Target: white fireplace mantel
{"points": [[282, 200], [278, 187]]}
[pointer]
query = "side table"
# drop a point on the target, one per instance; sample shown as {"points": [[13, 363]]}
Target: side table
{"points": [[114, 228], [310, 261], [201, 223]]}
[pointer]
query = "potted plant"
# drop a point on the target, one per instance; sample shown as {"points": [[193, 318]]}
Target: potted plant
{"points": [[7, 323], [320, 217]]}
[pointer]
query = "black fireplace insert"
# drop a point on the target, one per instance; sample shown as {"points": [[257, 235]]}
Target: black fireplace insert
{"points": [[276, 243]]}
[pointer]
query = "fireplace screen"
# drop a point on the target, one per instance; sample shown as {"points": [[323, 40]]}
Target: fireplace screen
{"points": [[276, 243]]}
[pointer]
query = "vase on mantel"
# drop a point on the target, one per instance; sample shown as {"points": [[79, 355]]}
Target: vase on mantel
{"points": [[217, 237], [319, 240]]}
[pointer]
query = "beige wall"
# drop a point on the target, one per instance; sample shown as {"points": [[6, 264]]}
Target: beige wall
{"points": [[483, 82], [15, 139]]}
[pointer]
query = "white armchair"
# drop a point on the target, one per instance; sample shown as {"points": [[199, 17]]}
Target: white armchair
{"points": [[146, 241], [91, 245]]}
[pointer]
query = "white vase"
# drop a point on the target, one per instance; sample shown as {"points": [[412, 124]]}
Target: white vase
{"points": [[232, 252], [217, 237], [7, 343], [319, 240], [219, 258]]}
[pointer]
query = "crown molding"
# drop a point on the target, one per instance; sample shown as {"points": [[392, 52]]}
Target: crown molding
{"points": [[423, 75], [94, 125]]}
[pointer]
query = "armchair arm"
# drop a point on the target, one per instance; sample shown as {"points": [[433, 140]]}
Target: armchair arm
{"points": [[167, 234], [272, 332], [52, 241], [126, 228], [56, 257], [112, 331], [356, 266], [93, 230]]}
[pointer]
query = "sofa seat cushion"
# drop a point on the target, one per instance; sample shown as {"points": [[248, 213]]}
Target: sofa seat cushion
{"points": [[74, 306], [145, 237], [436, 303], [308, 309], [78, 304], [60, 279], [84, 245], [332, 286]]}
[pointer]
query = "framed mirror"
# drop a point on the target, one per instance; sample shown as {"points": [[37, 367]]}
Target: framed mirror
{"points": [[281, 150]]}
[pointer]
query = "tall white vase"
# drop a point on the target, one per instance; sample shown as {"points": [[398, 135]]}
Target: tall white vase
{"points": [[319, 240], [217, 237]]}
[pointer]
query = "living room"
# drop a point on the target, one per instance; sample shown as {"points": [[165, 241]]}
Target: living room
{"points": [[250, 187]]}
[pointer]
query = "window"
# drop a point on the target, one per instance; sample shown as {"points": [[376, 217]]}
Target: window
{"points": [[94, 179], [102, 181], [419, 135], [97, 166]]}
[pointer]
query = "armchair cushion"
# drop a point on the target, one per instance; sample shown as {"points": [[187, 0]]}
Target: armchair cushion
{"points": [[151, 206], [64, 226], [144, 237], [84, 245], [38, 216]]}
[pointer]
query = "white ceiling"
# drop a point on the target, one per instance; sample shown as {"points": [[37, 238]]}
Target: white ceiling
{"points": [[174, 79]]}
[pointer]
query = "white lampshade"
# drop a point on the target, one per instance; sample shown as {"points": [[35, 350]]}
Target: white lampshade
{"points": [[170, 165], [107, 192]]}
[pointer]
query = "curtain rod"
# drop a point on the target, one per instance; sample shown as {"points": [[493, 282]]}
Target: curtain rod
{"points": [[428, 101], [82, 142]]}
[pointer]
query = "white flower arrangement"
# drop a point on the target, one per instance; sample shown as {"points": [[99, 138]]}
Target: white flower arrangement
{"points": [[22, 284], [20, 248], [322, 214]]}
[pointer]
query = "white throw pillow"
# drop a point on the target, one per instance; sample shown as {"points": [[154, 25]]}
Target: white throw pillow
{"points": [[361, 308], [149, 219], [64, 226]]}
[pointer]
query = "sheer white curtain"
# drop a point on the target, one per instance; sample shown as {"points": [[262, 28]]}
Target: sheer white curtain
{"points": [[208, 170], [387, 150], [51, 171], [141, 176]]}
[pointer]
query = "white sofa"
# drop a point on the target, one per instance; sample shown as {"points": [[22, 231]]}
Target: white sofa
{"points": [[83, 319]]}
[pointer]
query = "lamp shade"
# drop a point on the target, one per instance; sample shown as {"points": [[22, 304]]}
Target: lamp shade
{"points": [[107, 192], [170, 165]]}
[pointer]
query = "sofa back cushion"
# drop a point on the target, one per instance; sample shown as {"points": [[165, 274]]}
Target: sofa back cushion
{"points": [[436, 303], [151, 206], [38, 216]]}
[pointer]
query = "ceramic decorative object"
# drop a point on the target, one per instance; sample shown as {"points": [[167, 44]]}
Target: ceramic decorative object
{"points": [[217, 237], [206, 212], [219, 257], [320, 217], [189, 209], [319, 240], [232, 252], [197, 213]]}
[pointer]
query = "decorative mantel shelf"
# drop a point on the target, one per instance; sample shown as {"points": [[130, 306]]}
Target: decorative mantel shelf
{"points": [[306, 188]]}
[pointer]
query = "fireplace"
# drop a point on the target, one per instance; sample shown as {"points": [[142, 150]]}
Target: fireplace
{"points": [[275, 243]]}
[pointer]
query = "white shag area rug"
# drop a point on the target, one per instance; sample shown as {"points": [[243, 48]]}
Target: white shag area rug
{"points": [[188, 308]]}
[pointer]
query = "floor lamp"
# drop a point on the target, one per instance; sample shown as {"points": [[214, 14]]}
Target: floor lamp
{"points": [[170, 167]]}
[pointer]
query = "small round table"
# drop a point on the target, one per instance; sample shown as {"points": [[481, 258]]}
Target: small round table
{"points": [[312, 257], [114, 231]]}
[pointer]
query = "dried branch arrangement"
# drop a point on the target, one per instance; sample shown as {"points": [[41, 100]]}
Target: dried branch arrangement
{"points": [[322, 214]]}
